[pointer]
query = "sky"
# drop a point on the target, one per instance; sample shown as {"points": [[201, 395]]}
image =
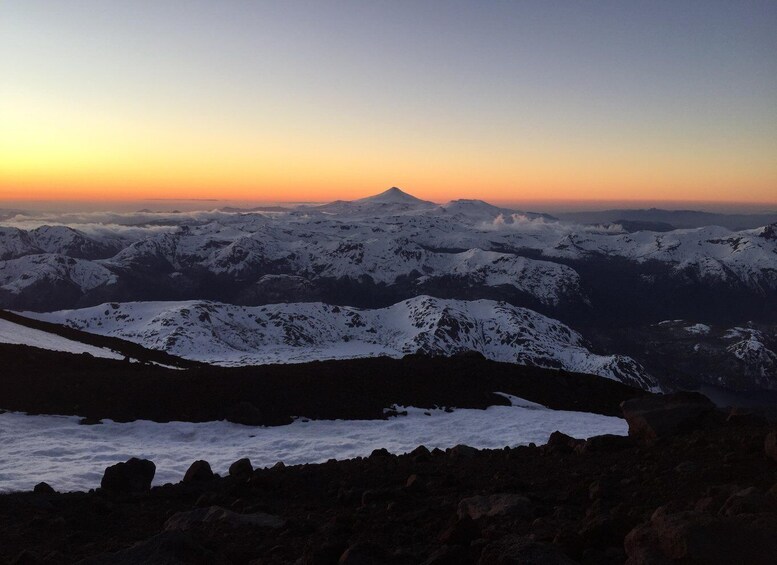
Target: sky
{"points": [[508, 101]]}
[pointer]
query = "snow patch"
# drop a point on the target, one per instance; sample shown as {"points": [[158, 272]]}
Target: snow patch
{"points": [[57, 450]]}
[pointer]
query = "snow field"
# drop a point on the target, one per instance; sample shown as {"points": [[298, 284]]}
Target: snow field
{"points": [[69, 456]]}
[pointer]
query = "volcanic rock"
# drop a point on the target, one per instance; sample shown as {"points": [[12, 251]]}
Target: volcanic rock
{"points": [[653, 417], [199, 471], [133, 476]]}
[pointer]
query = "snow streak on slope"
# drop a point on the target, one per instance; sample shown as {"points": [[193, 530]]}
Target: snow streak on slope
{"points": [[22, 335], [57, 450], [286, 333]]}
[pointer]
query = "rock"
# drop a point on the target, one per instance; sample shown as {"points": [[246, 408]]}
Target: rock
{"points": [[43, 488], [414, 485], [521, 551], [462, 452], [420, 453], [245, 413], [693, 537], [462, 532], [241, 469], [167, 548], [653, 417], [382, 452], [183, 521], [364, 553], [130, 477], [495, 505], [770, 445], [561, 443], [89, 422], [748, 501], [607, 442], [199, 471], [26, 557], [448, 555]]}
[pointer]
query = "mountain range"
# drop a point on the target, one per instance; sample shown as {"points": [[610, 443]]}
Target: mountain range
{"points": [[393, 252]]}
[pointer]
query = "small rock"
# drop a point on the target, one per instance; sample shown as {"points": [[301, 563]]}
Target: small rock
{"points": [[448, 555], [559, 442], [606, 442], [133, 476], [686, 467], [245, 413], [420, 453], [523, 551], [26, 557], [364, 553], [43, 488], [462, 532], [463, 452], [748, 501], [167, 547], [183, 521], [653, 417], [414, 484], [495, 505], [770, 445], [89, 421], [199, 471], [241, 469]]}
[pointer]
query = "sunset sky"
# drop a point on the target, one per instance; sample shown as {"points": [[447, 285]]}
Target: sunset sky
{"points": [[318, 100]]}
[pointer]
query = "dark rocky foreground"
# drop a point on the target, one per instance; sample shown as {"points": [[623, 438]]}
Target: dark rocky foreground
{"points": [[690, 485]]}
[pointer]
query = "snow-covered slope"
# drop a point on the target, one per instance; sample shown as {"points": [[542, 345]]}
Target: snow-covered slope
{"points": [[284, 333], [17, 334]]}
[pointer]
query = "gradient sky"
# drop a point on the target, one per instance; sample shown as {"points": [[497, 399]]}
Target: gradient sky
{"points": [[317, 100]]}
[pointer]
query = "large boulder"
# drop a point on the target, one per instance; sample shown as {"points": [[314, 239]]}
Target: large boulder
{"points": [[770, 445], [183, 521], [167, 548], [695, 537], [131, 477], [241, 469], [523, 551], [476, 507], [198, 472], [653, 417]]}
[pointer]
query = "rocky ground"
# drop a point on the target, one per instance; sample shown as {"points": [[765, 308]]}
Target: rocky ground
{"points": [[39, 381], [690, 485]]}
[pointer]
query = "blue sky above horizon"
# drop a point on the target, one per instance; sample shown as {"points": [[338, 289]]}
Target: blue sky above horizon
{"points": [[301, 100]]}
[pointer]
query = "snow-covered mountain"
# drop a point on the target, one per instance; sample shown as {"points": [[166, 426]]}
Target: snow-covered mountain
{"points": [[284, 333], [372, 253], [376, 251]]}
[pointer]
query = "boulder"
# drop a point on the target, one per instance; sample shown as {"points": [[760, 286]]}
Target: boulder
{"points": [[748, 501], [131, 477], [167, 548], [245, 413], [199, 471], [463, 452], [364, 553], [183, 521], [241, 469], [694, 537], [606, 442], [562, 443], [653, 417], [523, 551], [476, 507], [43, 488], [770, 445]]}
